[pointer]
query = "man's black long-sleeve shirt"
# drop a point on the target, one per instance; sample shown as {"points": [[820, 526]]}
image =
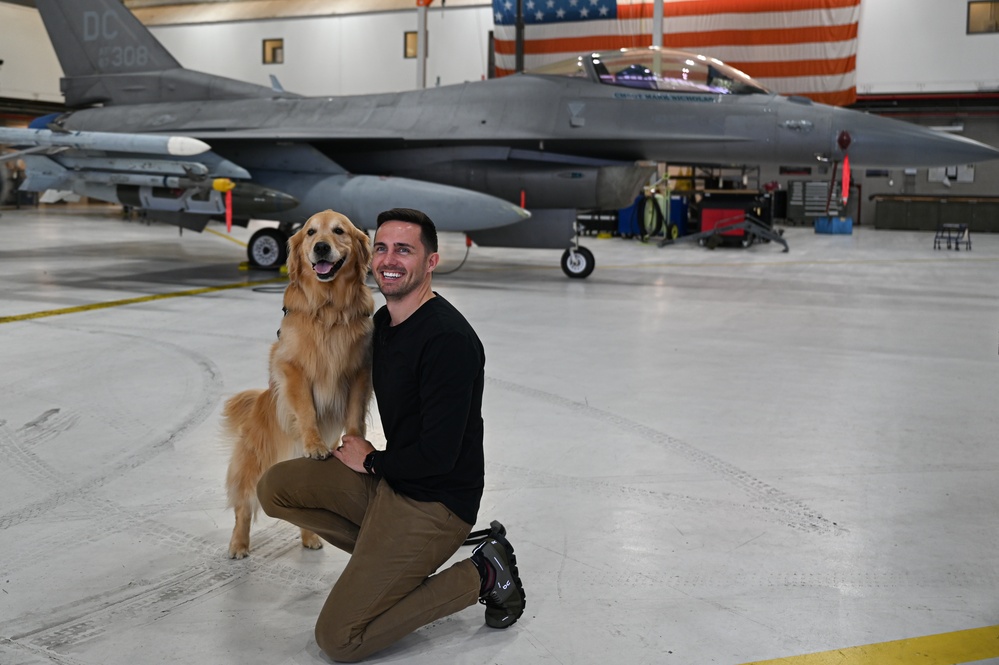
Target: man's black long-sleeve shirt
{"points": [[428, 374]]}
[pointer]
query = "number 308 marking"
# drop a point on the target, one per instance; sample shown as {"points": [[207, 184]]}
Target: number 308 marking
{"points": [[123, 56]]}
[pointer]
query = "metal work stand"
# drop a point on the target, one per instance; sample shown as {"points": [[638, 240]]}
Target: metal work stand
{"points": [[753, 229], [953, 234]]}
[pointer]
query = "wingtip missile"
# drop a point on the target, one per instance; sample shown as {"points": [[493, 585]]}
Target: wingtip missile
{"points": [[185, 146], [150, 144]]}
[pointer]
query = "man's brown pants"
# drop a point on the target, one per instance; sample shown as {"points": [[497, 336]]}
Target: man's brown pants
{"points": [[388, 588]]}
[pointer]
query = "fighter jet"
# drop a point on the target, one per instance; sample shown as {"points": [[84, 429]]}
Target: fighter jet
{"points": [[508, 161]]}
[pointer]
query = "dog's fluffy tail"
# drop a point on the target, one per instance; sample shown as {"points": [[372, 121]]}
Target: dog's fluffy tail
{"points": [[250, 421]]}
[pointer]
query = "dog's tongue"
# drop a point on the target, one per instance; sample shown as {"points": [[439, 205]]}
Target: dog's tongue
{"points": [[324, 267]]}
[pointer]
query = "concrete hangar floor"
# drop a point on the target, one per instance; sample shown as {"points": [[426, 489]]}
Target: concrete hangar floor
{"points": [[725, 456]]}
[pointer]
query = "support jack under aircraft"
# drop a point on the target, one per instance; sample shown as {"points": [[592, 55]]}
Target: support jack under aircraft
{"points": [[510, 161]]}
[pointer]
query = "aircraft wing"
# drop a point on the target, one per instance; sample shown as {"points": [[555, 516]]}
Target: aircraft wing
{"points": [[296, 134], [175, 174], [335, 133], [182, 181]]}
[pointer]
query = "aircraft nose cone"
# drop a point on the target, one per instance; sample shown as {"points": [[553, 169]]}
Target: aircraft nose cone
{"points": [[254, 199], [886, 143], [281, 202]]}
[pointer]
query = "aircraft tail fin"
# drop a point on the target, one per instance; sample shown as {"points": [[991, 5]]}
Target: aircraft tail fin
{"points": [[108, 57]]}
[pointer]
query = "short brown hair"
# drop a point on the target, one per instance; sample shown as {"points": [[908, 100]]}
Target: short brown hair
{"points": [[428, 232]]}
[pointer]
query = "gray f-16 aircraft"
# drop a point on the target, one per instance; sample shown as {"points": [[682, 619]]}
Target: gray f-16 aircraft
{"points": [[582, 135]]}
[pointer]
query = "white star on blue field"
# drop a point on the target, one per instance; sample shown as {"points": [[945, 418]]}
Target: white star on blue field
{"points": [[553, 11]]}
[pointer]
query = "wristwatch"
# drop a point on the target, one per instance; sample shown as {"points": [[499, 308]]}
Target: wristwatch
{"points": [[369, 463]]}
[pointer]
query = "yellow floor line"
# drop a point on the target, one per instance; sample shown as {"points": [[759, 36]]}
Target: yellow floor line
{"points": [[226, 236], [963, 646], [132, 301]]}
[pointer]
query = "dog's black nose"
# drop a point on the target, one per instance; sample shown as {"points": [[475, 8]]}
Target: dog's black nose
{"points": [[321, 248]]}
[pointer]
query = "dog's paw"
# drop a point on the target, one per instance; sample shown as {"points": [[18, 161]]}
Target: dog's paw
{"points": [[238, 551], [315, 447], [318, 453], [311, 540]]}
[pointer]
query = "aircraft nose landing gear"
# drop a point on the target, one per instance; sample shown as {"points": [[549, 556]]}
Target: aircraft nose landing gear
{"points": [[577, 262], [268, 247]]}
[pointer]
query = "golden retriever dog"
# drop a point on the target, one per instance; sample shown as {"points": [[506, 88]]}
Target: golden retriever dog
{"points": [[320, 367]]}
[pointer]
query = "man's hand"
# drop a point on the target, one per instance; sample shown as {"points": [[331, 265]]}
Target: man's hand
{"points": [[352, 451]]}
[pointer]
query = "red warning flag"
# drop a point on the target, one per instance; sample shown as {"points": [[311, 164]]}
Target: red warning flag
{"points": [[225, 185]]}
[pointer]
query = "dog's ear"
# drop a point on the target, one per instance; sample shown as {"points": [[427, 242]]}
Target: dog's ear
{"points": [[362, 245], [295, 253]]}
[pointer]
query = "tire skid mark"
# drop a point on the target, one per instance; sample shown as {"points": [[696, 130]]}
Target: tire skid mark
{"points": [[217, 572], [129, 607], [87, 532], [40, 419], [269, 543], [47, 426], [767, 497], [145, 600], [212, 573], [663, 500], [204, 406], [14, 653], [16, 454]]}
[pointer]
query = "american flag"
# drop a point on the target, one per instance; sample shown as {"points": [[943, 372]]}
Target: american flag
{"points": [[795, 47], [549, 11]]}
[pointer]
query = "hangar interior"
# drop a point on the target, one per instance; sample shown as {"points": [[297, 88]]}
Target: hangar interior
{"points": [[734, 455]]}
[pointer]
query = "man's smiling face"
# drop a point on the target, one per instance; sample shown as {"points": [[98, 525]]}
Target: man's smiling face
{"points": [[401, 264]]}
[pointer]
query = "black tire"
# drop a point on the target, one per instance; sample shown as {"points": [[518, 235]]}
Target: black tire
{"points": [[267, 249], [747, 240], [672, 231], [578, 263]]}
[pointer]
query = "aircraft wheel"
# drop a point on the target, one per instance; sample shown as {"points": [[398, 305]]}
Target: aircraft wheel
{"points": [[578, 263], [268, 249]]}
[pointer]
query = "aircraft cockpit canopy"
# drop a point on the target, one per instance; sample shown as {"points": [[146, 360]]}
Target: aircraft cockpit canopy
{"points": [[657, 69]]}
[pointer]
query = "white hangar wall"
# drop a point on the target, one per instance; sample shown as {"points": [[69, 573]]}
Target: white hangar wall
{"points": [[30, 69], [904, 46], [339, 55], [921, 46]]}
